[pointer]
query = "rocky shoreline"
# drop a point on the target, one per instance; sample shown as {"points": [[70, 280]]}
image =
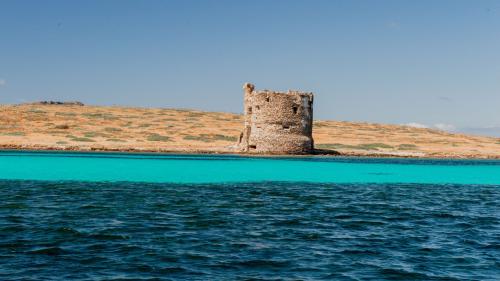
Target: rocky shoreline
{"points": [[323, 153]]}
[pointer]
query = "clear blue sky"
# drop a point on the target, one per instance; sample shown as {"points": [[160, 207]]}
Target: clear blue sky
{"points": [[427, 62]]}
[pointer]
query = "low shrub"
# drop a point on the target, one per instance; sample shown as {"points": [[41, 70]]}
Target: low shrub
{"points": [[37, 111], [225, 138], [15, 134], [80, 139], [66, 114], [96, 115], [112, 130], [211, 138], [363, 146], [157, 137], [94, 134], [407, 146], [116, 140], [62, 127]]}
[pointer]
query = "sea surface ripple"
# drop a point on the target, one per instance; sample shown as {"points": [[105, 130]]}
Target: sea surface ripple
{"points": [[72, 230]]}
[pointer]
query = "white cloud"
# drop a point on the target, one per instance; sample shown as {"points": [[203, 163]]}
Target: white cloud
{"points": [[416, 125], [2, 82], [439, 126], [445, 127]]}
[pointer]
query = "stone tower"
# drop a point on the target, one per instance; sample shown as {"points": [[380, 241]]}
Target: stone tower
{"points": [[277, 122]]}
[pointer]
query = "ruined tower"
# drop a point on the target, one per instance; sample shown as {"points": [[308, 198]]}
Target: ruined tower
{"points": [[277, 122]]}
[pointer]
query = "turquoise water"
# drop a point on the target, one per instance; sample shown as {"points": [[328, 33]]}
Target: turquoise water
{"points": [[70, 216], [213, 169]]}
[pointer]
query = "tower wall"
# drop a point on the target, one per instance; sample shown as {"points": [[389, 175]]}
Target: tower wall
{"points": [[277, 122]]}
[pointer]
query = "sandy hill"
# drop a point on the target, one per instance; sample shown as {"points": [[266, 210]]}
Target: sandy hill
{"points": [[74, 127]]}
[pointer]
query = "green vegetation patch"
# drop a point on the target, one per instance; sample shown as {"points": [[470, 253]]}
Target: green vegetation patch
{"points": [[197, 126], [112, 130], [225, 138], [196, 114], [16, 134], [116, 140], [82, 139], [62, 127], [62, 142], [197, 138], [407, 146], [363, 146], [66, 114], [217, 118], [55, 132], [94, 134], [211, 138], [331, 146], [8, 127], [37, 111], [374, 146], [104, 116], [130, 116], [157, 137]]}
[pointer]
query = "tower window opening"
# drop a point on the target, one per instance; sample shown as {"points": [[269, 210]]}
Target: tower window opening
{"points": [[257, 107], [294, 110], [286, 127], [267, 99], [252, 146], [249, 110]]}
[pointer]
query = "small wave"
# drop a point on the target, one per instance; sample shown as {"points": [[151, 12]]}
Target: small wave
{"points": [[50, 251], [262, 263], [401, 274], [68, 230], [288, 222], [359, 252], [107, 236], [13, 206], [491, 246], [172, 269]]}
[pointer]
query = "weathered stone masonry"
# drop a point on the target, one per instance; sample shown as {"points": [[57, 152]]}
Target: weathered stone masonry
{"points": [[277, 122]]}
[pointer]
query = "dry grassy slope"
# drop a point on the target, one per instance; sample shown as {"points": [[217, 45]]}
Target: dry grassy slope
{"points": [[145, 129]]}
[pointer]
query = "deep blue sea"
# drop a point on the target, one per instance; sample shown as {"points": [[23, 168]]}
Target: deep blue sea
{"points": [[171, 217]]}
